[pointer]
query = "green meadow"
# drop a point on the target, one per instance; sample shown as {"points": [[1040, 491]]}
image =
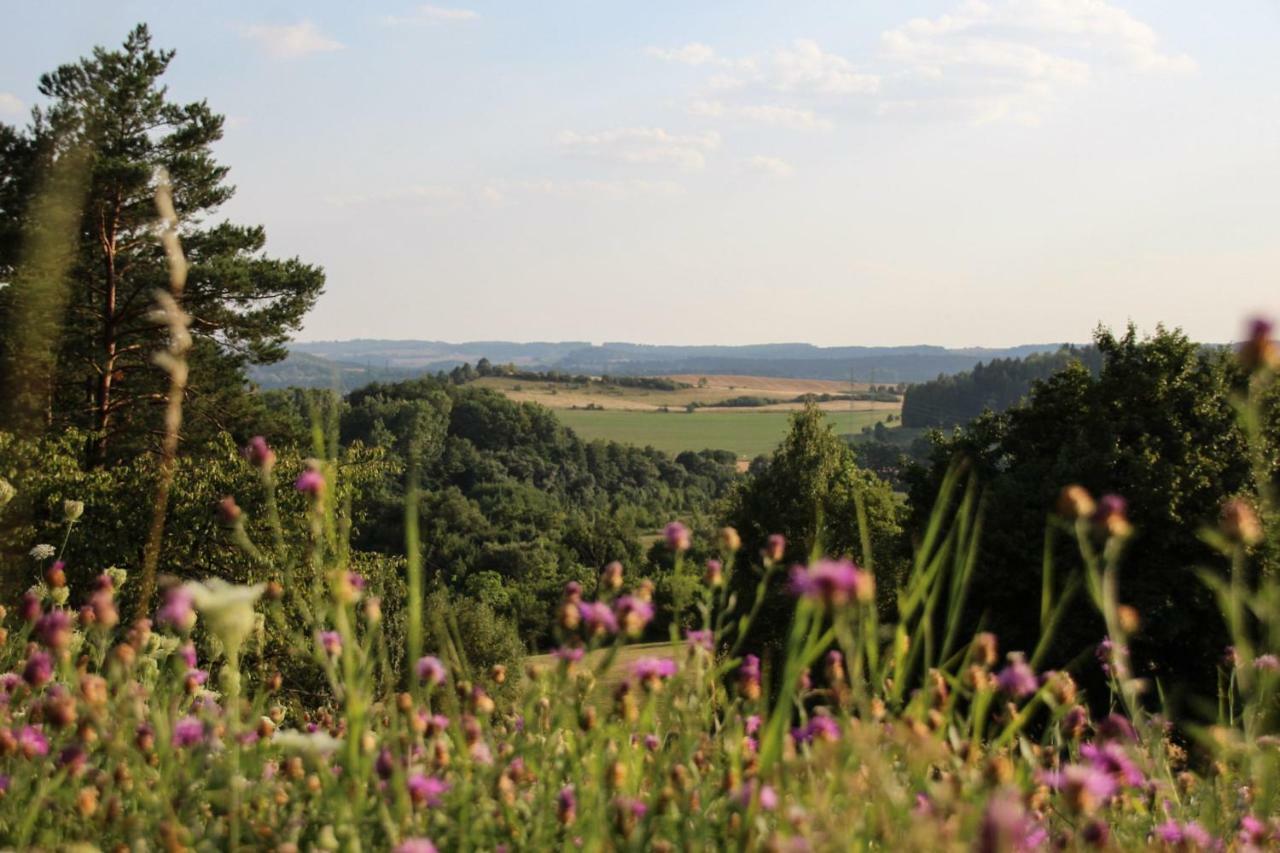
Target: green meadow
{"points": [[747, 434]]}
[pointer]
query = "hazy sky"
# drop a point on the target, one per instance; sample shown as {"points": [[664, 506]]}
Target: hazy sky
{"points": [[954, 172]]}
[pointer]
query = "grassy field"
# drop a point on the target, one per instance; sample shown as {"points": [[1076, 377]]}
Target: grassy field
{"points": [[746, 433], [711, 391]]}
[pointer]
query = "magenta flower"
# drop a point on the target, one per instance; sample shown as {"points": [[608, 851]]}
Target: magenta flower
{"points": [[32, 742], [38, 670], [677, 536], [633, 614], [430, 671], [415, 845], [566, 805], [53, 629], [426, 790], [187, 653], [774, 547], [653, 669], [832, 582], [598, 618], [310, 482], [259, 453], [753, 724], [29, 608], [1266, 663], [1080, 778], [820, 727], [1115, 727], [700, 639], [188, 731], [749, 676], [331, 642], [1017, 679], [73, 758], [569, 654], [178, 610], [1112, 759], [1007, 826]]}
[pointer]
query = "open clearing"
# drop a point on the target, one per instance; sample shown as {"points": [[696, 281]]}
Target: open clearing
{"points": [[571, 395], [746, 433]]}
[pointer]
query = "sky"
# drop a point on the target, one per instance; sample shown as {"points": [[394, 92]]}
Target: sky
{"points": [[851, 173]]}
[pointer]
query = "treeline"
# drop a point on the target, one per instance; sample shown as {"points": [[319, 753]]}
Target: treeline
{"points": [[995, 385], [464, 373]]}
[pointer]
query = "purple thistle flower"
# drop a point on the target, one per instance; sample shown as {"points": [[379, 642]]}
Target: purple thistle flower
{"points": [[38, 670], [1081, 778], [430, 671], [652, 669], [29, 608], [569, 654], [633, 614], [1111, 758], [820, 727], [1007, 826], [178, 610], [32, 742], [753, 724], [331, 642], [425, 789], [1266, 663], [1017, 679], [1115, 727], [415, 845], [310, 482], [833, 582], [259, 453], [73, 758], [677, 536], [598, 618], [566, 805], [187, 653], [701, 639], [188, 731], [53, 629]]}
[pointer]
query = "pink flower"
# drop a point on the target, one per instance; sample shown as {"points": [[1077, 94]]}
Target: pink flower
{"points": [[569, 654], [677, 536], [188, 731], [774, 547], [188, 655], [651, 668], [833, 582], [32, 742], [331, 642], [700, 639], [1017, 679], [1078, 778], [259, 453], [415, 845], [768, 796], [426, 790], [39, 669], [430, 670], [821, 727], [753, 724], [1267, 663], [310, 482], [633, 614], [1111, 758], [1007, 826], [178, 610], [598, 618], [29, 608], [566, 805], [53, 629]]}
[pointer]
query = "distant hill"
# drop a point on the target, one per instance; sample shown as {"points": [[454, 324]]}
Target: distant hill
{"points": [[399, 359], [303, 370], [993, 385]]}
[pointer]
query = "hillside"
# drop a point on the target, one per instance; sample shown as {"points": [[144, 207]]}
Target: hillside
{"points": [[790, 360]]}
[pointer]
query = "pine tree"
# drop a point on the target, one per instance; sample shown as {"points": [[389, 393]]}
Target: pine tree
{"points": [[113, 109]]}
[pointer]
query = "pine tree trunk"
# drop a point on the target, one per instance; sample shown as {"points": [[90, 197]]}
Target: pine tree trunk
{"points": [[102, 393]]}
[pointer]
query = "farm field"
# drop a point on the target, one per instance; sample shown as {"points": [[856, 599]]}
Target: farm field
{"points": [[745, 432], [717, 389]]}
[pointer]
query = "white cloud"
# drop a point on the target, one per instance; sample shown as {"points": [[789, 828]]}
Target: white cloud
{"points": [[499, 193], [11, 104], [642, 145], [1010, 59], [804, 66], [289, 41], [428, 14], [775, 115], [693, 53], [771, 166]]}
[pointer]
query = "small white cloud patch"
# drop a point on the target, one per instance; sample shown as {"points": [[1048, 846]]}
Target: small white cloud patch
{"points": [[290, 41]]}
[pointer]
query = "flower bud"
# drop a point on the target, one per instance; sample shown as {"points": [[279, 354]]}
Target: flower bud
{"points": [[1240, 523], [1075, 502], [72, 510]]}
